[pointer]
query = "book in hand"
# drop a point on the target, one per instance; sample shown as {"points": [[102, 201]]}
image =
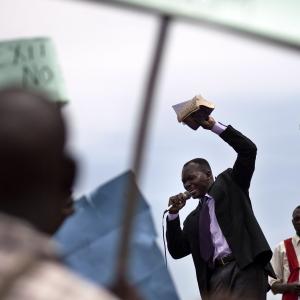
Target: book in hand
{"points": [[193, 111]]}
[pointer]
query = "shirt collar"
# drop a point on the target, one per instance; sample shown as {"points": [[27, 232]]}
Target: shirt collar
{"points": [[296, 239], [208, 196]]}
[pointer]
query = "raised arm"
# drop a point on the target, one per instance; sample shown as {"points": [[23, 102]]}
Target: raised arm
{"points": [[244, 165]]}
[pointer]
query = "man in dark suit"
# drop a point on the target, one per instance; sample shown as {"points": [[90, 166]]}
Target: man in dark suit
{"points": [[228, 247]]}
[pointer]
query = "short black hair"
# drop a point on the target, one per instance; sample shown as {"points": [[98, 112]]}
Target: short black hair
{"points": [[298, 207], [203, 164]]}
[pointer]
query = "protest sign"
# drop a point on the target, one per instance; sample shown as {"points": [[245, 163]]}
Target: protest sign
{"points": [[32, 64]]}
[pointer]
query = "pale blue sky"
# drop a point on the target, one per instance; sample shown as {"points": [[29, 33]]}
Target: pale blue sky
{"points": [[105, 53]]}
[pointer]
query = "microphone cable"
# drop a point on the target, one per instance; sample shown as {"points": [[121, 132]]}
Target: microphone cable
{"points": [[164, 239]]}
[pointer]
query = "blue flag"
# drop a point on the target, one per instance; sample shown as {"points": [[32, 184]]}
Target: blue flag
{"points": [[90, 240]]}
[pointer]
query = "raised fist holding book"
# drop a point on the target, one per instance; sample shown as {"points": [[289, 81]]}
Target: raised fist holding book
{"points": [[207, 124], [195, 113]]}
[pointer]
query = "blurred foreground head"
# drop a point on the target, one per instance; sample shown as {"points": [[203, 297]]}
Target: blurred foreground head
{"points": [[36, 175]]}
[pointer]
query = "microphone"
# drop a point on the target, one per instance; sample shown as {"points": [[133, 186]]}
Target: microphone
{"points": [[186, 196]]}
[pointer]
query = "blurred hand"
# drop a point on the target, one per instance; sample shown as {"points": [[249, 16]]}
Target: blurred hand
{"points": [[294, 288], [208, 124], [177, 202]]}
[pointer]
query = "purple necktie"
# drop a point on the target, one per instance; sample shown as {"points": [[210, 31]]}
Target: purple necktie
{"points": [[205, 240]]}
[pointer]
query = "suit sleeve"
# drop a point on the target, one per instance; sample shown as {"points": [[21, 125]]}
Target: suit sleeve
{"points": [[177, 241], [246, 154]]}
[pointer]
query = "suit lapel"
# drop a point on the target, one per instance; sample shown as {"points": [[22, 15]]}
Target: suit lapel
{"points": [[195, 222]]}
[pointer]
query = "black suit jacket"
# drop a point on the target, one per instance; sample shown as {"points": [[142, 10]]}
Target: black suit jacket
{"points": [[233, 211]]}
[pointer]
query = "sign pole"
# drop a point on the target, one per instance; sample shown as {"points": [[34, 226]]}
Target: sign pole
{"points": [[139, 147]]}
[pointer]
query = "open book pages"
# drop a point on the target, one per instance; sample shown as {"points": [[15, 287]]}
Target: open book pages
{"points": [[186, 108]]}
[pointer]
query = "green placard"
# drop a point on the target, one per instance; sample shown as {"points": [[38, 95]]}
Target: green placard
{"points": [[32, 64], [278, 20]]}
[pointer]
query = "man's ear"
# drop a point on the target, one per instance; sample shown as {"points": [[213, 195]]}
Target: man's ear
{"points": [[209, 174]]}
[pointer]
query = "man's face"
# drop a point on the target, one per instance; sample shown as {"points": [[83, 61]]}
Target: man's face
{"points": [[195, 181], [296, 220]]}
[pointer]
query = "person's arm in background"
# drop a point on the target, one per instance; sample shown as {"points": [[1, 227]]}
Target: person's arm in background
{"points": [[282, 288], [278, 286]]}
